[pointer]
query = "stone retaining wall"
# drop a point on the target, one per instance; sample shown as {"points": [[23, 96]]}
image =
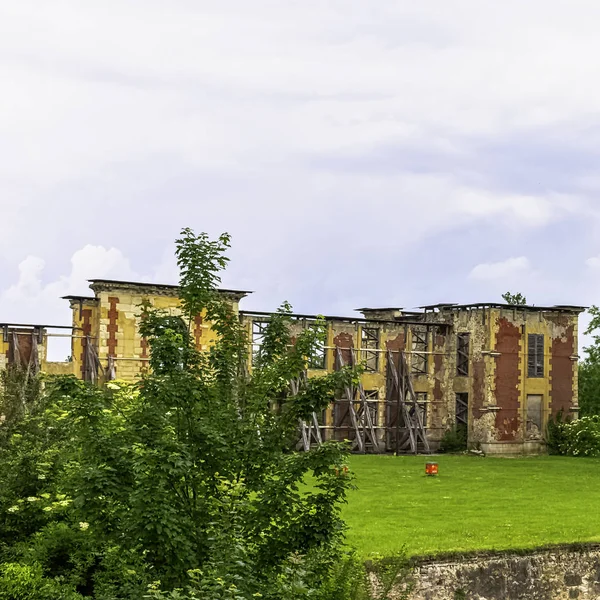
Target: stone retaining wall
{"points": [[549, 574]]}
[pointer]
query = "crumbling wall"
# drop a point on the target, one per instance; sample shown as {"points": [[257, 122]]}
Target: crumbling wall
{"points": [[552, 574], [508, 378], [120, 317], [113, 317], [85, 321], [479, 384], [514, 387], [3, 353], [562, 360], [441, 406], [28, 340], [496, 384]]}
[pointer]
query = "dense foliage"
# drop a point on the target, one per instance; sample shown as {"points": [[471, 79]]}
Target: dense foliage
{"points": [[454, 439], [182, 485], [589, 369], [580, 437]]}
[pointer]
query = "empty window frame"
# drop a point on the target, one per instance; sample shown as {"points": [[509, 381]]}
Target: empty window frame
{"points": [[369, 344], [318, 358], [422, 406], [259, 329], [420, 345], [462, 409], [535, 355], [462, 354], [372, 405]]}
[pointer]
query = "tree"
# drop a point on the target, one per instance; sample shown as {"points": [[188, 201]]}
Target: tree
{"points": [[185, 480], [589, 369], [517, 299]]}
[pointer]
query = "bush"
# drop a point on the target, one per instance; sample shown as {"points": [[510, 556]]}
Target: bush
{"points": [[556, 434], [26, 582], [454, 440], [184, 478], [348, 578], [576, 438]]}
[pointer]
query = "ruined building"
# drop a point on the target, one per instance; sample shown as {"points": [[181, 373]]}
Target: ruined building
{"points": [[498, 371]]}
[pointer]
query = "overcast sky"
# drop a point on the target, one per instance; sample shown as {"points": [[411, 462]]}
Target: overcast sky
{"points": [[361, 153]]}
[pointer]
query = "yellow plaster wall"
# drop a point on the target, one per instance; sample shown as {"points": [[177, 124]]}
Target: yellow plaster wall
{"points": [[3, 353], [59, 368], [532, 385], [129, 359], [78, 322]]}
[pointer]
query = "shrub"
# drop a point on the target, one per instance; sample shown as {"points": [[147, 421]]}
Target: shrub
{"points": [[582, 437], [348, 578], [556, 434], [26, 582], [576, 438], [185, 477], [454, 440]]}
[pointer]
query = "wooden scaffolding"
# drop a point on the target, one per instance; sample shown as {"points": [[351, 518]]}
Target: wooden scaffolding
{"points": [[355, 415], [405, 429]]}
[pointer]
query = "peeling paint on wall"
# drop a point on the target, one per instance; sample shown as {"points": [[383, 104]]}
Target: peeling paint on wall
{"points": [[561, 374], [508, 376], [495, 383]]}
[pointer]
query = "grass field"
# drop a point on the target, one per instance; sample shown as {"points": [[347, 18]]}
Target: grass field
{"points": [[475, 503]]}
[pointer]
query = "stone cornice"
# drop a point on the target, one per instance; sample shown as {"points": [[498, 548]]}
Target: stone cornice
{"points": [[152, 289]]}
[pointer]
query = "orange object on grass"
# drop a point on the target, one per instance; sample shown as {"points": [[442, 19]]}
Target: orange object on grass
{"points": [[431, 468]]}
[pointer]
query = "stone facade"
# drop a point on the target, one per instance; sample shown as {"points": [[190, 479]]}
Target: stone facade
{"points": [[500, 371]]}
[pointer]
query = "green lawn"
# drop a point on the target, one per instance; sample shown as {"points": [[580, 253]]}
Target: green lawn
{"points": [[475, 503]]}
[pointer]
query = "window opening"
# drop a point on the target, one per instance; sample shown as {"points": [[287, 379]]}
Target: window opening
{"points": [[462, 409], [369, 348], [535, 357], [462, 354], [318, 358], [259, 328], [420, 344], [372, 402], [421, 398]]}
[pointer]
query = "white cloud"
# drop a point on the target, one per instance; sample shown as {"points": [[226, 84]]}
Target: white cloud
{"points": [[252, 82], [32, 300], [121, 122], [257, 87], [501, 270], [593, 262]]}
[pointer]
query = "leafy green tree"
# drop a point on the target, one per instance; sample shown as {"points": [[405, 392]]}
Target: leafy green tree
{"points": [[20, 394], [186, 480], [516, 299], [589, 369]]}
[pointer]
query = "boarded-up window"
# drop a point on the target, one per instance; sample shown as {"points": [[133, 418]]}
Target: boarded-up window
{"points": [[535, 355], [534, 413], [20, 348], [462, 354], [369, 344], [420, 339]]}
